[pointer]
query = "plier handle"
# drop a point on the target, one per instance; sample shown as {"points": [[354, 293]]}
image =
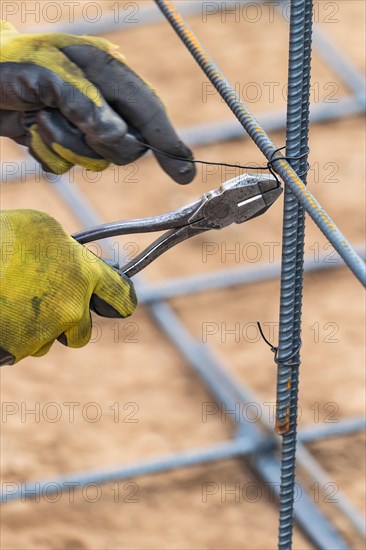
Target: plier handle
{"points": [[236, 201]]}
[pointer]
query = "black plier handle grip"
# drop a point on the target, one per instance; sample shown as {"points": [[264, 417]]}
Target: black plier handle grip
{"points": [[236, 201]]}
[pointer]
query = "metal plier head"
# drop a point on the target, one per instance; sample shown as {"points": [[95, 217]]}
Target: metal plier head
{"points": [[238, 200]]}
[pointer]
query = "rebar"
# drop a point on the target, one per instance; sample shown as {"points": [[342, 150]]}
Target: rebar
{"points": [[212, 453], [256, 132], [224, 386], [228, 278], [293, 260]]}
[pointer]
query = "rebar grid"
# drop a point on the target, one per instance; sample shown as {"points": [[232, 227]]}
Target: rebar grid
{"points": [[259, 136], [297, 130], [224, 386]]}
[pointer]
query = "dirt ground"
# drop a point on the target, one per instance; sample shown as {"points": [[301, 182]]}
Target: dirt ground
{"points": [[129, 395]]}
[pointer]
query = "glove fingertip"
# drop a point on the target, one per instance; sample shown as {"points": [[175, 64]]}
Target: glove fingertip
{"points": [[177, 162], [105, 309], [78, 334], [114, 296], [182, 172], [43, 350], [62, 338], [6, 358], [102, 308], [186, 173]]}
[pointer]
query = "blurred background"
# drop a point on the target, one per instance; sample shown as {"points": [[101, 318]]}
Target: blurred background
{"points": [[130, 395]]}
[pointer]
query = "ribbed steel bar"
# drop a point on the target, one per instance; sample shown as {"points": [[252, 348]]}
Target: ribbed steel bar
{"points": [[272, 121], [304, 138], [225, 278], [290, 217], [37, 489], [292, 261], [340, 63], [347, 426], [256, 132]]}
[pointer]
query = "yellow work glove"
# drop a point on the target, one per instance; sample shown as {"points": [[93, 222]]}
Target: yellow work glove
{"points": [[74, 100], [48, 284]]}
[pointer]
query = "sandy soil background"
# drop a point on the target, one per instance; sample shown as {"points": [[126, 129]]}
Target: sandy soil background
{"points": [[148, 401]]}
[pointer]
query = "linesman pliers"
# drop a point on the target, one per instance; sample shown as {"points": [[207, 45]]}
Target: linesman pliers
{"points": [[238, 200]]}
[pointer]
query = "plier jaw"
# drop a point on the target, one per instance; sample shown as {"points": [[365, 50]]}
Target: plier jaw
{"points": [[238, 200]]}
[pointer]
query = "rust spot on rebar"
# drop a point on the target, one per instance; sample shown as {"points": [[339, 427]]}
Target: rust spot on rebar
{"points": [[187, 32], [282, 426]]}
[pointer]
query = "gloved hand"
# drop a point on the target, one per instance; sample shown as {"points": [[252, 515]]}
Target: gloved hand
{"points": [[73, 99], [48, 284]]}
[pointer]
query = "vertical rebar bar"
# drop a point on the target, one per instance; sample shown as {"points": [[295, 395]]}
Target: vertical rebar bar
{"points": [[292, 260]]}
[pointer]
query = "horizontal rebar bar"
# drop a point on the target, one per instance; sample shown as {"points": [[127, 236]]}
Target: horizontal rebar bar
{"points": [[256, 132], [337, 60], [347, 426], [78, 480], [272, 121], [226, 278]]}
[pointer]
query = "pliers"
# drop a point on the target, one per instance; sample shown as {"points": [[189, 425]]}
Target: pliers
{"points": [[238, 200]]}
